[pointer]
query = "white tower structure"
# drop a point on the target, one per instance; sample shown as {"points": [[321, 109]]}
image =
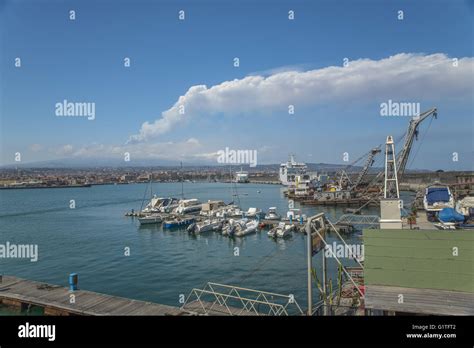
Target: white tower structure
{"points": [[390, 205]]}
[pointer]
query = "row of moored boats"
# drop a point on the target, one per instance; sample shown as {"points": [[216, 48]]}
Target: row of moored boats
{"points": [[216, 216]]}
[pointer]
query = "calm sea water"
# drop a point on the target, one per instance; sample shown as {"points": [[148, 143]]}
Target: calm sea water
{"points": [[90, 240]]}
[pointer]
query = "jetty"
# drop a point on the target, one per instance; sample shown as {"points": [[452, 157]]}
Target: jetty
{"points": [[214, 299], [57, 300]]}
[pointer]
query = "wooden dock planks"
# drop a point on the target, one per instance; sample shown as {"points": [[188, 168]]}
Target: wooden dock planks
{"points": [[13, 289]]}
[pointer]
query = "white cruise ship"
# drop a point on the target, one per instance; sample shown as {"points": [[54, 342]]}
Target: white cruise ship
{"points": [[242, 176], [290, 170]]}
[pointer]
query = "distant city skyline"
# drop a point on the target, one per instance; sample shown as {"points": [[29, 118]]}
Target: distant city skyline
{"points": [[141, 81]]}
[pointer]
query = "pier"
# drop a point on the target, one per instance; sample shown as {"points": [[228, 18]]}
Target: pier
{"points": [[56, 300]]}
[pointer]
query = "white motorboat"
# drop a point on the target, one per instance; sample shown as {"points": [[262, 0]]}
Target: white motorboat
{"points": [[231, 226], [285, 231], [168, 205], [187, 206], [253, 213], [205, 226], [230, 211], [272, 214], [248, 228], [281, 231], [153, 206], [150, 219], [437, 197]]}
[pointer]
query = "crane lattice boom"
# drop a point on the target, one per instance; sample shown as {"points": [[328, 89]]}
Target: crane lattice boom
{"points": [[412, 132]]}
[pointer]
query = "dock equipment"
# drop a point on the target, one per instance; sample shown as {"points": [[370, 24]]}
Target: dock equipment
{"points": [[221, 299]]}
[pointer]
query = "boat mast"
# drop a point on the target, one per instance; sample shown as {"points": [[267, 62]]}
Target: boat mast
{"points": [[151, 184], [182, 184]]}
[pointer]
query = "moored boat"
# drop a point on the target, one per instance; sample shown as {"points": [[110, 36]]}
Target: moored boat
{"points": [[253, 213], [205, 226], [150, 219], [272, 214], [437, 197], [187, 206], [248, 228], [168, 205], [281, 231], [154, 205], [178, 222], [231, 226], [465, 206], [212, 208]]}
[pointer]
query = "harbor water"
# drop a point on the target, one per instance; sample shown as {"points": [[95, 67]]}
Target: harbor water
{"points": [[92, 239]]}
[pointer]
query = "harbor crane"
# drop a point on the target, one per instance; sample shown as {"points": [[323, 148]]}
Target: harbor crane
{"points": [[345, 181], [368, 163], [412, 133], [401, 158]]}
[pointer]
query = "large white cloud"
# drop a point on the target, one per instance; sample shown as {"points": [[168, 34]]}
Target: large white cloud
{"points": [[413, 77]]}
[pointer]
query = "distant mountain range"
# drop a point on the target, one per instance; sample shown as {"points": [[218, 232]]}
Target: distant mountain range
{"points": [[166, 164]]}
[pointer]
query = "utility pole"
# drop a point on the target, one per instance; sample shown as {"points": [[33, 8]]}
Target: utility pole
{"points": [[310, 267]]}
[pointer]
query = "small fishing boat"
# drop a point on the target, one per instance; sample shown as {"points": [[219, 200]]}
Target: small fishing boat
{"points": [[272, 214], [150, 219], [205, 226], [178, 222], [281, 231]]}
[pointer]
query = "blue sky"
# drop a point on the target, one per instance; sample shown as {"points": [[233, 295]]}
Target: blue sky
{"points": [[82, 60]]}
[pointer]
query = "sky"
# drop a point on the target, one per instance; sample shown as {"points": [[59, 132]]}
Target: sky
{"points": [[183, 99]]}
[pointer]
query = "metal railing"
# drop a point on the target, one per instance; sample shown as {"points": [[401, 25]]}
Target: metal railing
{"points": [[352, 219], [221, 299]]}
